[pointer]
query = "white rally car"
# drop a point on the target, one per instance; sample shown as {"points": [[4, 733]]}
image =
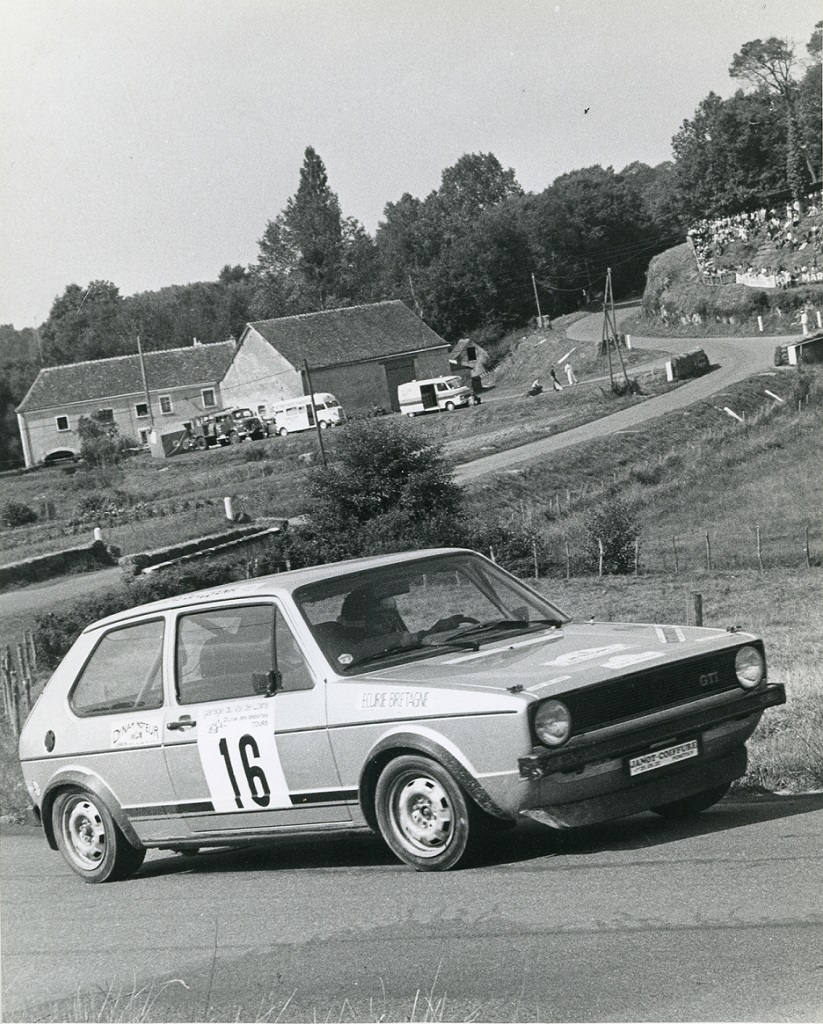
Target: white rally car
{"points": [[431, 696]]}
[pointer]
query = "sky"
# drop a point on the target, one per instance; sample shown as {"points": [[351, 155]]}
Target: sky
{"points": [[148, 142]]}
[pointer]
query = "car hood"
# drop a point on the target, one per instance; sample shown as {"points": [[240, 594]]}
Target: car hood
{"points": [[558, 660]]}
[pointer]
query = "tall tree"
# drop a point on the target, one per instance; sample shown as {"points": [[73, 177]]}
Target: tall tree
{"points": [[310, 257], [769, 65], [477, 182]]}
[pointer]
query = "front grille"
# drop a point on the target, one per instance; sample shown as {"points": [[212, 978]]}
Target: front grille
{"points": [[651, 690]]}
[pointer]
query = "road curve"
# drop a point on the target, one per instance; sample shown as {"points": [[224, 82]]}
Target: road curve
{"points": [[737, 358]]}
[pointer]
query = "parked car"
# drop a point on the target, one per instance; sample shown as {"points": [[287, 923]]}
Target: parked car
{"points": [[430, 696], [228, 426], [434, 394]]}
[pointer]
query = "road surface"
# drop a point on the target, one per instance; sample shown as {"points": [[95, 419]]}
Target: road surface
{"points": [[717, 919], [737, 358]]}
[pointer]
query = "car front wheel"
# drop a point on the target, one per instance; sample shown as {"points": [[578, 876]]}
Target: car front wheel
{"points": [[449, 406], [423, 813], [689, 806], [90, 839]]}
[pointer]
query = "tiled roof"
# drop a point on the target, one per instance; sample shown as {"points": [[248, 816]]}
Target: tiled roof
{"points": [[348, 335], [58, 386]]}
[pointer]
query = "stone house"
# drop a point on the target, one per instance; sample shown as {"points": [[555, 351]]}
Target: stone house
{"points": [[358, 353], [180, 384]]}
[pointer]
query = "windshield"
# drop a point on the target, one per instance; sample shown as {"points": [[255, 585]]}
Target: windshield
{"points": [[454, 383], [413, 610]]}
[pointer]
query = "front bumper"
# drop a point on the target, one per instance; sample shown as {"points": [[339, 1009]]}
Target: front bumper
{"points": [[534, 767]]}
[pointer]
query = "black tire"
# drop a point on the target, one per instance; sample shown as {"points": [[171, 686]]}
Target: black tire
{"points": [[90, 840], [423, 814], [234, 438], [201, 443], [691, 806], [449, 407], [283, 432], [324, 425]]}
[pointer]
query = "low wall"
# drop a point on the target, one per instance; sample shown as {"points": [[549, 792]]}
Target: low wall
{"points": [[58, 563], [145, 561]]}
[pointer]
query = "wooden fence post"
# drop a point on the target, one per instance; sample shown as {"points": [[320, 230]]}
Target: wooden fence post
{"points": [[808, 555], [676, 563], [25, 674], [568, 561], [636, 555], [600, 557], [491, 555], [759, 550], [708, 552], [32, 651], [697, 609], [534, 553]]}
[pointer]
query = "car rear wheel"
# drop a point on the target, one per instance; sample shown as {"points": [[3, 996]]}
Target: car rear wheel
{"points": [[692, 805], [201, 443], [283, 432], [90, 840], [423, 814]]}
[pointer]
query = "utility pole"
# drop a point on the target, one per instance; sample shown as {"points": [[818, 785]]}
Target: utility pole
{"points": [[314, 414], [537, 301], [610, 333], [145, 382]]}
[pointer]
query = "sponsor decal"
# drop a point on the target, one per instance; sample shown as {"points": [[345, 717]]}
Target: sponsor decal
{"points": [[135, 732], [239, 756], [586, 654], [625, 660], [393, 699]]}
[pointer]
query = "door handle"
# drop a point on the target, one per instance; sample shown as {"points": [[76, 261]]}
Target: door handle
{"points": [[184, 722]]}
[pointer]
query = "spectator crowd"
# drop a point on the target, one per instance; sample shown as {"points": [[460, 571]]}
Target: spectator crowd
{"points": [[789, 230]]}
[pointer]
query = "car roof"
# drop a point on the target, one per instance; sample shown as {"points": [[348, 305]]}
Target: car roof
{"points": [[264, 586]]}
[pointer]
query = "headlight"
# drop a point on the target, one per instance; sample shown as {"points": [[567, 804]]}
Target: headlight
{"points": [[749, 666], [553, 723]]}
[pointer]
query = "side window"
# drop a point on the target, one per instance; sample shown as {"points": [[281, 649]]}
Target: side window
{"points": [[232, 652], [224, 653], [125, 672]]}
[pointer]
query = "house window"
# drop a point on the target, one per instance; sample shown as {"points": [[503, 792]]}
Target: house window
{"points": [[471, 353], [165, 405], [261, 410], [62, 422], [104, 415], [144, 435], [141, 410], [208, 398]]}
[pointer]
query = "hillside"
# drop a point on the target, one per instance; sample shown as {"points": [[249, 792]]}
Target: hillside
{"points": [[692, 289]]}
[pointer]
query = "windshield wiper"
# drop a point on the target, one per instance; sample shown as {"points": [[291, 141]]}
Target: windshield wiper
{"points": [[426, 643], [504, 625]]}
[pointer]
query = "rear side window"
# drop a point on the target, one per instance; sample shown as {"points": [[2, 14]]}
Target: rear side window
{"points": [[125, 672]]}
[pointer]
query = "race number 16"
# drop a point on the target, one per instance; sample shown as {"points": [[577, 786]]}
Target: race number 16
{"points": [[258, 784]]}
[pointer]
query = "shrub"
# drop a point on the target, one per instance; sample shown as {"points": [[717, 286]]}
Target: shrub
{"points": [[388, 487], [614, 523], [100, 441], [15, 513], [255, 453]]}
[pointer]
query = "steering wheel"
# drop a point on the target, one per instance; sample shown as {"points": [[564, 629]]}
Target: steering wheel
{"points": [[452, 622]]}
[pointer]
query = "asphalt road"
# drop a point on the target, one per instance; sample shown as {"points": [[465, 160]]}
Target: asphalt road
{"points": [[735, 359], [717, 919]]}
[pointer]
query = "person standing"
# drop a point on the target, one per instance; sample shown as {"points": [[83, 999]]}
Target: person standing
{"points": [[555, 382], [570, 374]]}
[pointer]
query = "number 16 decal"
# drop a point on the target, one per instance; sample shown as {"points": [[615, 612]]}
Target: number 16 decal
{"points": [[240, 759], [254, 774]]}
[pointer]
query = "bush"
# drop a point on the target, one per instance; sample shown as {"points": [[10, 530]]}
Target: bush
{"points": [[100, 441], [255, 453], [389, 489], [15, 513], [614, 523]]}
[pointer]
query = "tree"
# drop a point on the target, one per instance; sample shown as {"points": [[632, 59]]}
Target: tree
{"points": [[100, 440], [310, 257], [86, 323], [810, 112], [769, 65], [477, 182]]}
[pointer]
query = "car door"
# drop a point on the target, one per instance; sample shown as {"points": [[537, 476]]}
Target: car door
{"points": [[118, 704], [246, 741]]}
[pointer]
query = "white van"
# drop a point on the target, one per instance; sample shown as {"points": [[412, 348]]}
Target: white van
{"points": [[433, 394], [296, 414]]}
